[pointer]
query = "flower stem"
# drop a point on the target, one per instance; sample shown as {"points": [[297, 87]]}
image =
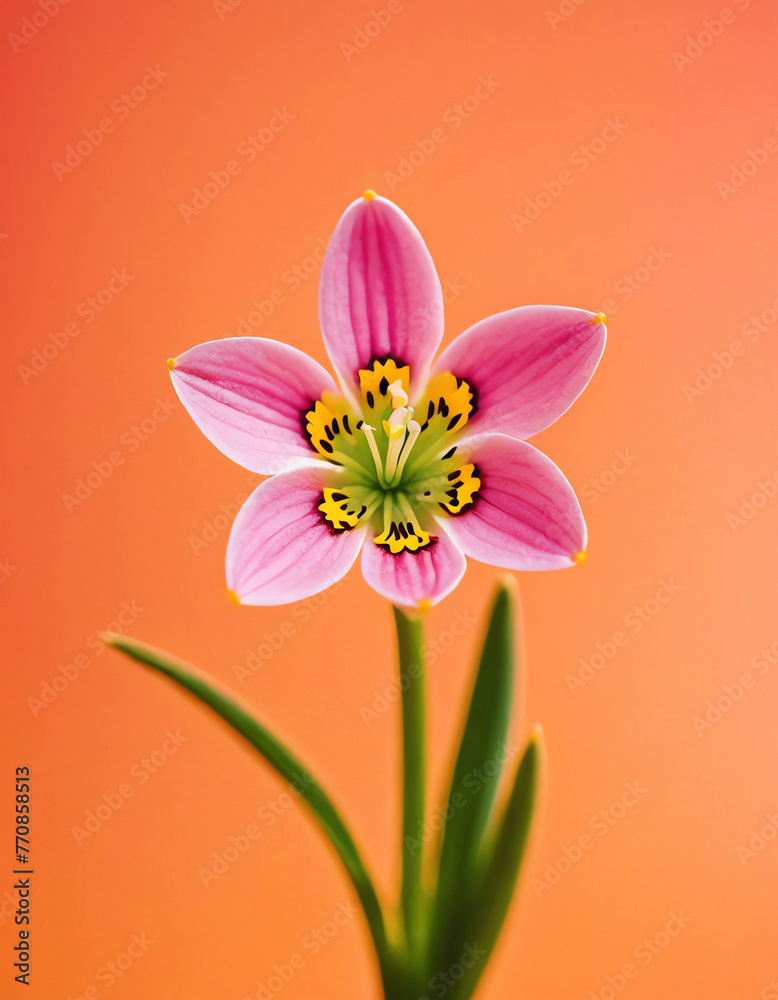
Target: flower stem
{"points": [[410, 641]]}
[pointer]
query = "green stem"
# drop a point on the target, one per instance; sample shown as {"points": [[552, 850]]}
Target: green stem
{"points": [[410, 642]]}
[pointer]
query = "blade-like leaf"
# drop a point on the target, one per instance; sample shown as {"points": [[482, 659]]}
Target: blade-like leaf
{"points": [[239, 715], [477, 771], [500, 865]]}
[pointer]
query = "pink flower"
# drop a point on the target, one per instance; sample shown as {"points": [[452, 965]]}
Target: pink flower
{"points": [[415, 464]]}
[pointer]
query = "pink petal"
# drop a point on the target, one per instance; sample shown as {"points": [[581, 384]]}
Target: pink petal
{"points": [[248, 396], [527, 365], [526, 515], [280, 550], [379, 293], [413, 578]]}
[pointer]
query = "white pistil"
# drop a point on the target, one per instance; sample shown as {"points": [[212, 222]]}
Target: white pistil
{"points": [[370, 435], [414, 429]]}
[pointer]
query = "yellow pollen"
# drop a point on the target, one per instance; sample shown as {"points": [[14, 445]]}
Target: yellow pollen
{"points": [[399, 395], [171, 363], [393, 430], [601, 318], [233, 597], [424, 605], [368, 195], [578, 559]]}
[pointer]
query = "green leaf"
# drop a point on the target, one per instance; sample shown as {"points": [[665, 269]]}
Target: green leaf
{"points": [[476, 775], [500, 868], [238, 714]]}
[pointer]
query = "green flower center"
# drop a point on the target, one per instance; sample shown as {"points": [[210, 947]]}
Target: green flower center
{"points": [[400, 463]]}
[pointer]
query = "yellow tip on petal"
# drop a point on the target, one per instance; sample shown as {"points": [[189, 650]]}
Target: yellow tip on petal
{"points": [[424, 605], [233, 597], [368, 195], [601, 318], [171, 363], [578, 559]]}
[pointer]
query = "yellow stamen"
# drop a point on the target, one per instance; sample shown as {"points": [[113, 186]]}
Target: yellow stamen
{"points": [[393, 430], [601, 318], [424, 605], [171, 363], [233, 597], [368, 195], [414, 429], [578, 559], [399, 395]]}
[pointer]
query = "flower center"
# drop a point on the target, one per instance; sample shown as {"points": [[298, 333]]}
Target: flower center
{"points": [[401, 433], [400, 467]]}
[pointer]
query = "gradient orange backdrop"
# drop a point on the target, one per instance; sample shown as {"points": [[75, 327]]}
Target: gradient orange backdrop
{"points": [[151, 535]]}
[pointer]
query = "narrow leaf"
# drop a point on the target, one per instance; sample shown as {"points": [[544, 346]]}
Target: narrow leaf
{"points": [[477, 771], [238, 714], [500, 866]]}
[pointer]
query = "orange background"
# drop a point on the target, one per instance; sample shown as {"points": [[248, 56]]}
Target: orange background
{"points": [[692, 459]]}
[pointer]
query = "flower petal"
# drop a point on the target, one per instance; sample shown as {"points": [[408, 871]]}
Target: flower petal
{"points": [[527, 365], [526, 515], [410, 579], [280, 549], [379, 293], [248, 396]]}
